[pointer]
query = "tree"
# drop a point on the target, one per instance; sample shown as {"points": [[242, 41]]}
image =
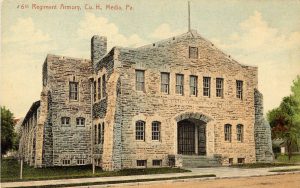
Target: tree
{"points": [[7, 130], [285, 120]]}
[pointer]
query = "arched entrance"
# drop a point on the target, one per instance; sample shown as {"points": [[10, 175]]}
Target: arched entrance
{"points": [[191, 137], [191, 134]]}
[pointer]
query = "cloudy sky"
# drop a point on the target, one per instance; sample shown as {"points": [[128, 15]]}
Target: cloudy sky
{"points": [[261, 33]]}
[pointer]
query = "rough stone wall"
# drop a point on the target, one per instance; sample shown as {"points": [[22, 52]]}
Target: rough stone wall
{"points": [[48, 135], [27, 145], [172, 56], [262, 132], [98, 48], [69, 142]]}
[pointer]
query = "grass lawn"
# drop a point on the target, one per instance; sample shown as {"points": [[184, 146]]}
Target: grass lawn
{"points": [[285, 159], [285, 170], [10, 169]]}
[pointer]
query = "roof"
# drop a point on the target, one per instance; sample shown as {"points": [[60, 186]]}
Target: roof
{"points": [[31, 110]]}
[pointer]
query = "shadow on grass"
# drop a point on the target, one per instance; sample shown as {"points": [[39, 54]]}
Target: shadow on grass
{"points": [[261, 165]]}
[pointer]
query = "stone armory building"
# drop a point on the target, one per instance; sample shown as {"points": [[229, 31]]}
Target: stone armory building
{"points": [[180, 101]]}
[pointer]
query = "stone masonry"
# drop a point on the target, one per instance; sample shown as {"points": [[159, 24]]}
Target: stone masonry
{"points": [[112, 107]]}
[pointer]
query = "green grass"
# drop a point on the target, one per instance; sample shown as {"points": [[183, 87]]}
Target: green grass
{"points": [[10, 169], [285, 170], [285, 159], [261, 165]]}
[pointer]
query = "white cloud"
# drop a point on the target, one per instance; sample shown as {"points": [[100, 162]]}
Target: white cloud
{"points": [[276, 55], [164, 31], [24, 48], [92, 25], [25, 31]]}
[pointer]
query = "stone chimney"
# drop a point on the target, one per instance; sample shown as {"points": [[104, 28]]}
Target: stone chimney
{"points": [[98, 48]]}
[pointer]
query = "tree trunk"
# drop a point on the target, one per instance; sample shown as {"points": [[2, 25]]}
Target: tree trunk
{"points": [[289, 144]]}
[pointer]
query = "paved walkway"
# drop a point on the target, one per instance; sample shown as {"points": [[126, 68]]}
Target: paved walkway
{"points": [[220, 172]]}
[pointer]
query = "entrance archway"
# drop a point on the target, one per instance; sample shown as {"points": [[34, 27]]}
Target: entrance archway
{"points": [[191, 133]]}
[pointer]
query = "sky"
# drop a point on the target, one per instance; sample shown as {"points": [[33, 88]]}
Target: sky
{"points": [[265, 34]]}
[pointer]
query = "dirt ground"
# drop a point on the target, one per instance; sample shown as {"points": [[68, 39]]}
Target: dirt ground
{"points": [[276, 181]]}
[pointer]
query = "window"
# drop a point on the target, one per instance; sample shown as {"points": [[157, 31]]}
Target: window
{"points": [[80, 161], [95, 134], [155, 130], [140, 80], [156, 163], [179, 84], [219, 87], [80, 122], [239, 89], [206, 86], [99, 134], [140, 130], [239, 132], [141, 163], [94, 91], [227, 131], [65, 121], [102, 137], [193, 85], [66, 162], [241, 160], [103, 86], [193, 52], [165, 79], [230, 161], [73, 91], [99, 88]]}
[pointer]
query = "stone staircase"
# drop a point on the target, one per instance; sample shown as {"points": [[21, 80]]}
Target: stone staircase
{"points": [[195, 161]]}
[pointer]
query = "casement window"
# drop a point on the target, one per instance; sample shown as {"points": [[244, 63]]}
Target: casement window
{"points": [[206, 86], [95, 134], [99, 88], [227, 132], [140, 130], [165, 82], [179, 84], [156, 162], [102, 137], [65, 121], [141, 163], [99, 134], [103, 86], [193, 85], [240, 132], [239, 89], [80, 122], [193, 52], [140, 80], [155, 130], [66, 162], [80, 161], [94, 91], [219, 87], [73, 91], [241, 160]]}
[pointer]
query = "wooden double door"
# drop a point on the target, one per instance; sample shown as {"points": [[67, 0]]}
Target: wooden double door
{"points": [[191, 138]]}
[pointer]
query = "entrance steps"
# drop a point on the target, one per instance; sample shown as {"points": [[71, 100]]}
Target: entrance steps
{"points": [[195, 161]]}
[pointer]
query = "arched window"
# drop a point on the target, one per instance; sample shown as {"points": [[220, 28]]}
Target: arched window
{"points": [[227, 132], [102, 137], [140, 130], [155, 130], [240, 132], [95, 134], [99, 133]]}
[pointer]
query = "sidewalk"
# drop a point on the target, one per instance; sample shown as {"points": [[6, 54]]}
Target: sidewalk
{"points": [[220, 172]]}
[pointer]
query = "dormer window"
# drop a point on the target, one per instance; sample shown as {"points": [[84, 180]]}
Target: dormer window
{"points": [[193, 52]]}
